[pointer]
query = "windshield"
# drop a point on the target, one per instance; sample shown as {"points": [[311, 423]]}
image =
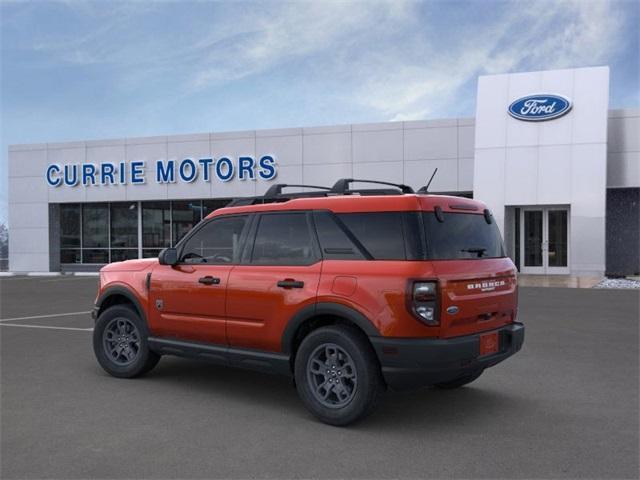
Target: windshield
{"points": [[461, 236]]}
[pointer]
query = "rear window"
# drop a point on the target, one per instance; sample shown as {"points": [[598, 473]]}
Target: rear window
{"points": [[334, 240], [386, 235], [379, 233], [283, 239], [461, 236]]}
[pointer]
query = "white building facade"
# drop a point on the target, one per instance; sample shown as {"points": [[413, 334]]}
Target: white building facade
{"points": [[557, 167]]}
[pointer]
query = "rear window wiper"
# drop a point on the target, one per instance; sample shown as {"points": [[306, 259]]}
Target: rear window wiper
{"points": [[478, 250]]}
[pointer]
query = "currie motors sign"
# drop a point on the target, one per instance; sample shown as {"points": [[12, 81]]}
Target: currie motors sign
{"points": [[188, 170], [537, 108]]}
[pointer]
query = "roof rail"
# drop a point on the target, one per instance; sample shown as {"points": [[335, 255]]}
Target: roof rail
{"points": [[274, 194], [276, 190], [342, 185]]}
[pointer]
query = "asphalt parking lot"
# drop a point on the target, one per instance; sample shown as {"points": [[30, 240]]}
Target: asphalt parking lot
{"points": [[566, 406]]}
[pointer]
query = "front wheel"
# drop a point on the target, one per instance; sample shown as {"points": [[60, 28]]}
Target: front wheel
{"points": [[337, 375], [120, 343]]}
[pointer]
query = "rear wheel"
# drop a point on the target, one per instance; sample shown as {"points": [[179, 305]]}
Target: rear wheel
{"points": [[120, 343], [337, 375], [461, 381]]}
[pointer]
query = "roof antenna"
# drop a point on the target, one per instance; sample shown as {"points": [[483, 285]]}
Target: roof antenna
{"points": [[425, 189]]}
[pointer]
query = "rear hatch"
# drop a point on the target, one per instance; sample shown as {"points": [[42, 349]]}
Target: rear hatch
{"points": [[476, 295], [477, 282]]}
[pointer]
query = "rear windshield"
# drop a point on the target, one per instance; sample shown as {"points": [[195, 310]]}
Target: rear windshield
{"points": [[461, 236]]}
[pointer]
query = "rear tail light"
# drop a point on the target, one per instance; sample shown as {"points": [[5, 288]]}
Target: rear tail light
{"points": [[424, 302]]}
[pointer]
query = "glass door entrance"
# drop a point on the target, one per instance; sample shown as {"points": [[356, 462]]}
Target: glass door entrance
{"points": [[544, 240]]}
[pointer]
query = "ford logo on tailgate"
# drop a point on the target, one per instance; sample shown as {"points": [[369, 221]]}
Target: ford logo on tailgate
{"points": [[536, 108]]}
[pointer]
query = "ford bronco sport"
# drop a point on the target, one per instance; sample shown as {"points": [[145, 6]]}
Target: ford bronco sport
{"points": [[348, 291]]}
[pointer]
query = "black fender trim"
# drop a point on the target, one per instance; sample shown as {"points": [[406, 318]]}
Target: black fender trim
{"points": [[324, 308], [125, 292]]}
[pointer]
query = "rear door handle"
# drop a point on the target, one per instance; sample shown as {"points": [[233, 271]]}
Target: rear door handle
{"points": [[290, 283], [208, 280]]}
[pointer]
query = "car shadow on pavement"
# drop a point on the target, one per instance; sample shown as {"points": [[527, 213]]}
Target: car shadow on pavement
{"points": [[426, 408], [432, 408]]}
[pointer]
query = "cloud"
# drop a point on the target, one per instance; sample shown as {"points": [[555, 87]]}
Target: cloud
{"points": [[93, 34], [533, 36], [216, 43], [295, 30], [393, 58], [559, 35]]}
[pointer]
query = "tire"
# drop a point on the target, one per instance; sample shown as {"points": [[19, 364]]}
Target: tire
{"points": [[337, 375], [461, 381], [132, 357]]}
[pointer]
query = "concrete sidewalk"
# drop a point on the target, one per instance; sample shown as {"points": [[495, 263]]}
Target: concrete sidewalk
{"points": [[558, 281]]}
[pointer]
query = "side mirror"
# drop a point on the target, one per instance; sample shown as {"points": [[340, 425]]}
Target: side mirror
{"points": [[168, 256]]}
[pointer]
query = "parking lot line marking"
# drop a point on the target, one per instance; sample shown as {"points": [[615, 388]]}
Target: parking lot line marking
{"points": [[46, 326], [35, 317]]}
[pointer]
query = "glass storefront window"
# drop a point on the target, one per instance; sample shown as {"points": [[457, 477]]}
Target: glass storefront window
{"points": [[95, 255], [95, 225], [156, 227], [70, 238], [108, 232], [150, 252], [121, 254], [69, 226], [68, 255], [209, 206], [184, 216], [124, 225]]}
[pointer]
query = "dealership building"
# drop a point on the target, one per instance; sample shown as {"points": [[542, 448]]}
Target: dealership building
{"points": [[559, 170]]}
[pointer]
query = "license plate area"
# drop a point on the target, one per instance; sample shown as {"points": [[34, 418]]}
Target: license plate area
{"points": [[489, 344]]}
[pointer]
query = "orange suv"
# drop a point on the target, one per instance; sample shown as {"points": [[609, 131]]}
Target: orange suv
{"points": [[349, 291]]}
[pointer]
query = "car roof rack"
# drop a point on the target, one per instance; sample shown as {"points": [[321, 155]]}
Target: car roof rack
{"points": [[275, 190], [275, 194], [342, 185]]}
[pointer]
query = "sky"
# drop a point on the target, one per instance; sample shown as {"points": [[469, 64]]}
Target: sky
{"points": [[74, 70]]}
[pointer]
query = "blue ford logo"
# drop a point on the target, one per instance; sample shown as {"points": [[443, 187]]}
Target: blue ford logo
{"points": [[536, 108]]}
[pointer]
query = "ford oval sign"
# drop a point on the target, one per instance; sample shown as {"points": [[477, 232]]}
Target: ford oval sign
{"points": [[536, 108]]}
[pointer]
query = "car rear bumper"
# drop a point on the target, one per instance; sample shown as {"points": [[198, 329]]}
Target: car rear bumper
{"points": [[412, 363]]}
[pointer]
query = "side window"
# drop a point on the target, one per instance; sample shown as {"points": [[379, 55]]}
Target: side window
{"points": [[283, 239], [381, 233], [334, 242], [217, 242]]}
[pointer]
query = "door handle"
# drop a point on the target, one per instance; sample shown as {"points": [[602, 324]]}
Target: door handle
{"points": [[290, 283], [208, 280]]}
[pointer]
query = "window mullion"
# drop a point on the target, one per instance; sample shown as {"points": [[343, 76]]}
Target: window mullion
{"points": [[81, 234], [171, 224], [139, 204]]}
